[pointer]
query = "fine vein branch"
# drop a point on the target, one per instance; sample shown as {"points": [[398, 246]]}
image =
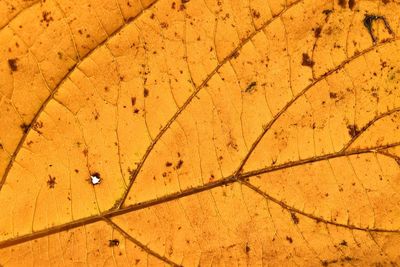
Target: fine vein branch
{"points": [[35, 118], [191, 97], [290, 103], [140, 244], [195, 190]]}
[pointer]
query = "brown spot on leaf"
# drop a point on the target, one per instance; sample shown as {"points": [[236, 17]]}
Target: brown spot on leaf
{"points": [[96, 115], [179, 164], [113, 243], [250, 87], [37, 125], [317, 32], [51, 182], [256, 14], [369, 19], [12, 63], [295, 219], [46, 17], [24, 127], [352, 3], [353, 130], [307, 61]]}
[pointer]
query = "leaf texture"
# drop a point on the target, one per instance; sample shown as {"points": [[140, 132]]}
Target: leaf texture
{"points": [[220, 133]]}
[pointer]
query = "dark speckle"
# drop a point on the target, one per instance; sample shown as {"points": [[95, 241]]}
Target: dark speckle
{"points": [[133, 101], [247, 248], [343, 243], [179, 164], [113, 242], [12, 63], [332, 95], [96, 114], [51, 182], [256, 14], [353, 130], [342, 3], [164, 25], [307, 61], [317, 32], [145, 92], [24, 127], [335, 261], [250, 87], [288, 238], [168, 164], [46, 17], [369, 19], [352, 3], [294, 218]]}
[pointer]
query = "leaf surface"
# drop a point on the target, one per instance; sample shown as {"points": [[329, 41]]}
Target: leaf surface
{"points": [[218, 133]]}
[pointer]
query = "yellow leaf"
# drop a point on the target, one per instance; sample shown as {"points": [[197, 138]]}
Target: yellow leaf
{"points": [[199, 133]]}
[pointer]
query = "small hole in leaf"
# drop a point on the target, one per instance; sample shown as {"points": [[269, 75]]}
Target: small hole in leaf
{"points": [[95, 178]]}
